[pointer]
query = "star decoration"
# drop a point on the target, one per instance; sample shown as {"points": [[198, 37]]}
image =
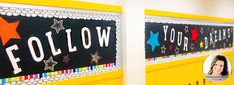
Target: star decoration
{"points": [[202, 30], [163, 49], [224, 45], [213, 31], [8, 31], [213, 44], [153, 41], [177, 50], [49, 64], [192, 46], [201, 44], [66, 59], [58, 25], [95, 57], [226, 40], [186, 29], [170, 47], [194, 34]]}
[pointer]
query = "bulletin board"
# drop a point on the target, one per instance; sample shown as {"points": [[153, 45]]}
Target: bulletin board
{"points": [[46, 44], [173, 38]]}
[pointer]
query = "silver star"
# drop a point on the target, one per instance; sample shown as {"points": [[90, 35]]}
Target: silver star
{"points": [[186, 29], [226, 40], [213, 44], [66, 59], [177, 50], [58, 25], [192, 46], [213, 31], [49, 64], [224, 45], [202, 30], [95, 57], [163, 49]]}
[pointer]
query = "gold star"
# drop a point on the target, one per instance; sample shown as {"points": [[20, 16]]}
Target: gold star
{"points": [[95, 57], [201, 44]]}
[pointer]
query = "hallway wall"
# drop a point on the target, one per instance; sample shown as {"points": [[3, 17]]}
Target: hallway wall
{"points": [[216, 8]]}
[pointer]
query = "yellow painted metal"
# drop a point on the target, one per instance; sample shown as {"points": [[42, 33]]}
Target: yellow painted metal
{"points": [[184, 72], [188, 16], [69, 4]]}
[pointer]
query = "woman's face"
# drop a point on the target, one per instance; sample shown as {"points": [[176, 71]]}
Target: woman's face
{"points": [[218, 68]]}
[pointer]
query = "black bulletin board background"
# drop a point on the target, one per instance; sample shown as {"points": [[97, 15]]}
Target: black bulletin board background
{"points": [[37, 26]]}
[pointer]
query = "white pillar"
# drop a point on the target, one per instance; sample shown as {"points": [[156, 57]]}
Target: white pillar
{"points": [[133, 38]]}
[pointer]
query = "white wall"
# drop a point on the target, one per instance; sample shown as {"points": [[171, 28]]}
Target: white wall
{"points": [[132, 42], [217, 8], [133, 47]]}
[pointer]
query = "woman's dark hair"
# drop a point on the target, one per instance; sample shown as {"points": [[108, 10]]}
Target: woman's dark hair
{"points": [[225, 68]]}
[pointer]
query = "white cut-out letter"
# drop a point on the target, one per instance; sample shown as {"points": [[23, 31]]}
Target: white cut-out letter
{"points": [[53, 49], [206, 43], [31, 48], [185, 43], [172, 37], [215, 37], [104, 36], [13, 60], [224, 34], [88, 44], [179, 39], [71, 49], [211, 39], [165, 27]]}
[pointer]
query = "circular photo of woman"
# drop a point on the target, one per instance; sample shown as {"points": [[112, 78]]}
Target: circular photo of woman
{"points": [[217, 68]]}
